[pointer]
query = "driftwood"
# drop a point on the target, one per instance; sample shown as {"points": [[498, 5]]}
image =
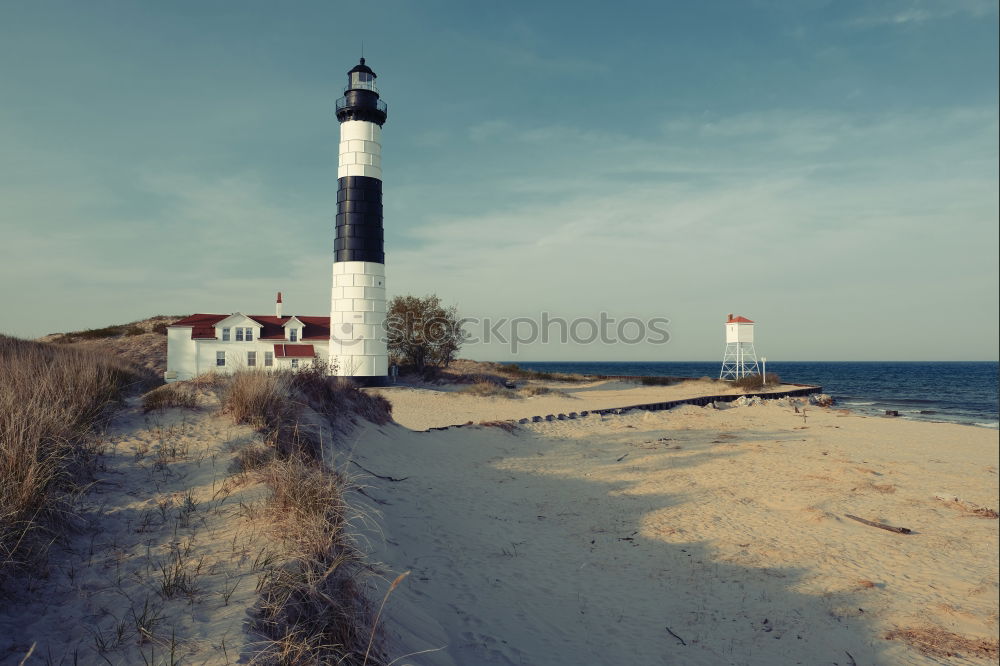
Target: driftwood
{"points": [[622, 458], [675, 636], [882, 526]]}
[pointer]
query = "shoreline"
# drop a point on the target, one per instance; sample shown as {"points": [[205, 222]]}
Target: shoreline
{"points": [[963, 392]]}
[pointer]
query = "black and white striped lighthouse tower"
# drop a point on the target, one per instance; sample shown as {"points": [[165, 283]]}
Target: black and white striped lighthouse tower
{"points": [[357, 311]]}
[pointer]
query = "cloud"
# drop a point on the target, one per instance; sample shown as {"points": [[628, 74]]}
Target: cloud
{"points": [[923, 11], [881, 214], [197, 243]]}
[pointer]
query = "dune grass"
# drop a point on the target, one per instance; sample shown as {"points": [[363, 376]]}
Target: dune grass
{"points": [[488, 389], [752, 382], [514, 370], [315, 609], [54, 401], [169, 395]]}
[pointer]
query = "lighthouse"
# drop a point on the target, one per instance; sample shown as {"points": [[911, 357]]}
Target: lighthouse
{"points": [[740, 358], [357, 309]]}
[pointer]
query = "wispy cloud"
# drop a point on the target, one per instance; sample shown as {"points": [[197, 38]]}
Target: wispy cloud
{"points": [[922, 11], [892, 203]]}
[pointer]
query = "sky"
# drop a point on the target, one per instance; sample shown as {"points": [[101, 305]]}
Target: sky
{"points": [[827, 169]]}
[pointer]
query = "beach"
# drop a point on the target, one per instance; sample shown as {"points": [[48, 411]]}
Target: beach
{"points": [[689, 536], [749, 532]]}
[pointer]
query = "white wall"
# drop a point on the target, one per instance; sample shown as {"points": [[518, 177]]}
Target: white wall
{"points": [[739, 332], [180, 353], [360, 149], [190, 358], [357, 318]]}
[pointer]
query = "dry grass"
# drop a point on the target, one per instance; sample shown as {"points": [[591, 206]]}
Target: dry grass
{"points": [[170, 395], [751, 382], [142, 343], [259, 398], [274, 403], [530, 391], [254, 457], [53, 402], [936, 642], [487, 389], [464, 368], [314, 609], [514, 370]]}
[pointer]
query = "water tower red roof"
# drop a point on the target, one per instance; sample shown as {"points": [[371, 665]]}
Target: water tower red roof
{"points": [[738, 320]]}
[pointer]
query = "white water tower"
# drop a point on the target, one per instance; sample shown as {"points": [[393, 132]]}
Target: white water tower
{"points": [[740, 358]]}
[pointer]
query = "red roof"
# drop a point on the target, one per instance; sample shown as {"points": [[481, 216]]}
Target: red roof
{"points": [[203, 326], [738, 320], [294, 351]]}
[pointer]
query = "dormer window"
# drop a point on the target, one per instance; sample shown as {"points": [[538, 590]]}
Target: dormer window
{"points": [[293, 335], [225, 335], [239, 334]]}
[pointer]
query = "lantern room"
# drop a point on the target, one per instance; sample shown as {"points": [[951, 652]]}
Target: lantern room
{"points": [[361, 78]]}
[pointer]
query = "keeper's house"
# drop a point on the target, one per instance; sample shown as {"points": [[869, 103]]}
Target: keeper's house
{"points": [[224, 343]]}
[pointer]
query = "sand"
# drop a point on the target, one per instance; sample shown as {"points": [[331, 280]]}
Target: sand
{"points": [[164, 561], [690, 536], [419, 408]]}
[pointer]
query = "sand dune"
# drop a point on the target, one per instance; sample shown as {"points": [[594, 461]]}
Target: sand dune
{"points": [[165, 560]]}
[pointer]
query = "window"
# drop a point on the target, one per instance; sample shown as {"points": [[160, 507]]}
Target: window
{"points": [[251, 359], [239, 335], [268, 359], [295, 362], [220, 358], [249, 335], [293, 334], [225, 335]]}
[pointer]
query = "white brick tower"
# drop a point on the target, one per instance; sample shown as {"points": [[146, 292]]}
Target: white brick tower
{"points": [[357, 312]]}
